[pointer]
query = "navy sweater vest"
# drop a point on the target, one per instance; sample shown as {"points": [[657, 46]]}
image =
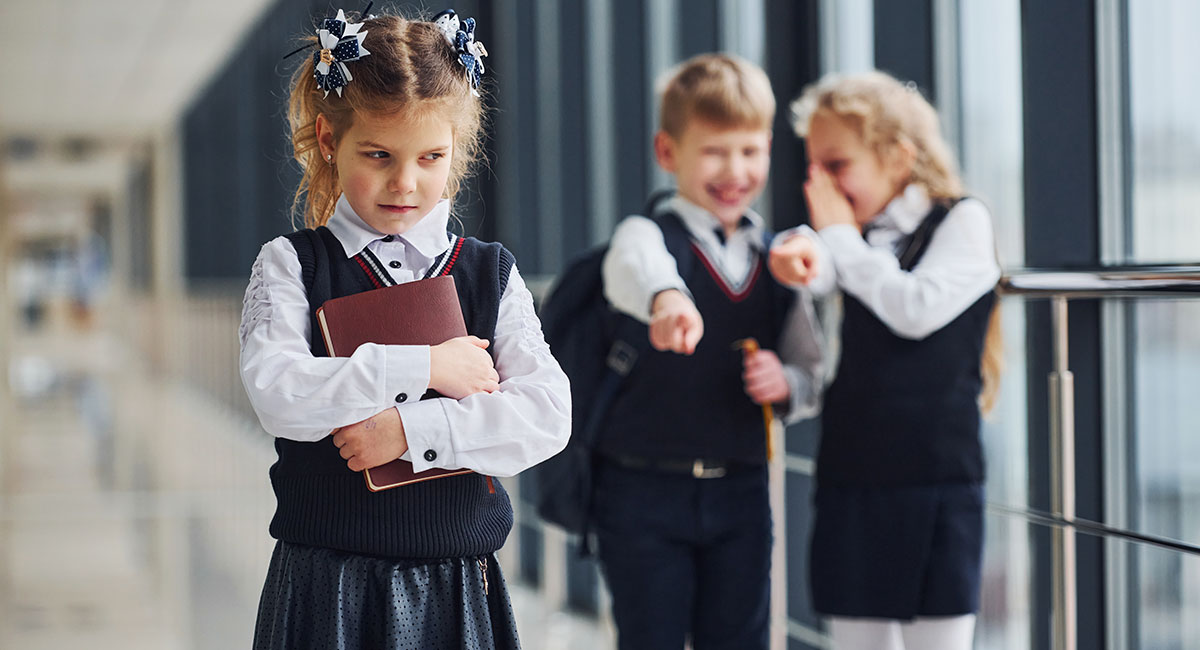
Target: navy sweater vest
{"points": [[905, 412], [677, 407], [321, 502]]}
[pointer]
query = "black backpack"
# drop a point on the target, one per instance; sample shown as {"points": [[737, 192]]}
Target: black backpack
{"points": [[597, 347]]}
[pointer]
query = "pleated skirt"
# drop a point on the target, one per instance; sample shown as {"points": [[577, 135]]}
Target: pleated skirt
{"points": [[316, 598], [897, 552]]}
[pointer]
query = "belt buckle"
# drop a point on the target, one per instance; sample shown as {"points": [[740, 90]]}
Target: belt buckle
{"points": [[621, 357], [700, 471]]}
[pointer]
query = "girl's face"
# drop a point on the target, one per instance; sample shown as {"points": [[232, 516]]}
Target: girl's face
{"points": [[392, 168], [868, 180]]}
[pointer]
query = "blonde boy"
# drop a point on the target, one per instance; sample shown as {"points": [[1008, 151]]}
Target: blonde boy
{"points": [[682, 512]]}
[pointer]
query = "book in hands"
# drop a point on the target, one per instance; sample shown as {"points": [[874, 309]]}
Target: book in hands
{"points": [[424, 312]]}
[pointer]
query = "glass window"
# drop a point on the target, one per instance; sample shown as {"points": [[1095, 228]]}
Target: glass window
{"points": [[1164, 343], [992, 161], [847, 36], [1165, 133], [1166, 468]]}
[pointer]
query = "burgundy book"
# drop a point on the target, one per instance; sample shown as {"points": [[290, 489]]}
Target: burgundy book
{"points": [[424, 312]]}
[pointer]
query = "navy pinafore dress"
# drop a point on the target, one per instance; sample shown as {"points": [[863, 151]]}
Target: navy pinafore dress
{"points": [[898, 531]]}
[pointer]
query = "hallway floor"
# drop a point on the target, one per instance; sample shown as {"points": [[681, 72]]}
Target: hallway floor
{"points": [[133, 513]]}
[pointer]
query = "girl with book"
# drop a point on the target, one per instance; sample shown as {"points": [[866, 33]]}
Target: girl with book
{"points": [[897, 542], [385, 118]]}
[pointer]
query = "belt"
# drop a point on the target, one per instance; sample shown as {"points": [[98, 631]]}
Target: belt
{"points": [[695, 467]]}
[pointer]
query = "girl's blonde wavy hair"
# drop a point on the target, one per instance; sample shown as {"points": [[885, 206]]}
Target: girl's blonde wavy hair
{"points": [[886, 114], [412, 69]]}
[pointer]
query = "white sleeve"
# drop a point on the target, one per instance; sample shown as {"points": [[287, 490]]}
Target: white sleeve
{"points": [[502, 433], [637, 267], [295, 394], [956, 270]]}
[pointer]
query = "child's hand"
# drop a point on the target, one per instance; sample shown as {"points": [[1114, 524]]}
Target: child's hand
{"points": [[794, 261], [763, 375], [461, 367], [827, 205], [675, 323], [377, 440]]}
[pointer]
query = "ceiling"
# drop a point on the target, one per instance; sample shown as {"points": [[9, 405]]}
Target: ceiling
{"points": [[104, 68]]}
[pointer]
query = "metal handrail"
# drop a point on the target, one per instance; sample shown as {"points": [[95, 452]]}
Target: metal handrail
{"points": [[1105, 282], [1061, 285]]}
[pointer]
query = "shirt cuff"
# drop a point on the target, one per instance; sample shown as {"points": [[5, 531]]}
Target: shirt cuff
{"points": [[681, 288], [842, 240], [427, 430], [405, 373], [784, 235], [801, 401]]}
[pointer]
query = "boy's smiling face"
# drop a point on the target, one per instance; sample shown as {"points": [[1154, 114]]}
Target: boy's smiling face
{"points": [[719, 168]]}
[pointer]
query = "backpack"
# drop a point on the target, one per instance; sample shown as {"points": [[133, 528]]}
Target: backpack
{"points": [[597, 347]]}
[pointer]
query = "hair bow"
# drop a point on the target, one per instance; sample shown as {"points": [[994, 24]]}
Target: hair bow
{"points": [[461, 36], [340, 42]]}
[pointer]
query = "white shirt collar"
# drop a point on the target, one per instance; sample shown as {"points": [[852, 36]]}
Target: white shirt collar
{"points": [[905, 212], [428, 235], [699, 220]]}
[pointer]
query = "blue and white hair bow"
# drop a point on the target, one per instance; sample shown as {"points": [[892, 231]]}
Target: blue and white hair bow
{"points": [[340, 42], [461, 36]]}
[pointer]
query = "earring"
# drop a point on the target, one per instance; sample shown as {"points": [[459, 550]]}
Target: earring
{"points": [[329, 158]]}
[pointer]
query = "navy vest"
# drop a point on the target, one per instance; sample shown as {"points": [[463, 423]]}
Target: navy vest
{"points": [[677, 407], [905, 412], [321, 502]]}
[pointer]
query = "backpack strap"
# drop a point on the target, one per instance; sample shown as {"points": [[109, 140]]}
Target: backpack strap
{"points": [[675, 234], [629, 336], [678, 241]]}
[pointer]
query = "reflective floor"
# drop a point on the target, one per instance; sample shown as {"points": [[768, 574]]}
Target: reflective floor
{"points": [[133, 512]]}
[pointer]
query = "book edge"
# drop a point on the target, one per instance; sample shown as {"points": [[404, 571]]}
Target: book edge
{"points": [[325, 331], [372, 486]]}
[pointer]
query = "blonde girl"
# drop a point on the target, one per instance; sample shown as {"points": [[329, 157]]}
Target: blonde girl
{"points": [[385, 117], [898, 537]]}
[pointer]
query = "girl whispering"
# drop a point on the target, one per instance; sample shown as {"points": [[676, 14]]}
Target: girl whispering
{"points": [[898, 537], [385, 119]]}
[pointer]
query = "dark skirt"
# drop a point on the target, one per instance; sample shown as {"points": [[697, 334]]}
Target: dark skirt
{"points": [[317, 598], [897, 552]]}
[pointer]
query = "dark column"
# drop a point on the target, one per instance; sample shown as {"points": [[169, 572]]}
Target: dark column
{"points": [[793, 61], [1061, 226], [904, 41]]}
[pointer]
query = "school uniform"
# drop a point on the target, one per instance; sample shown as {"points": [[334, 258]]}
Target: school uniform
{"points": [[412, 566], [898, 532], [681, 503]]}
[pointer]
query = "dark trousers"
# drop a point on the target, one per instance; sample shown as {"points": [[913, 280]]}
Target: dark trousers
{"points": [[686, 557]]}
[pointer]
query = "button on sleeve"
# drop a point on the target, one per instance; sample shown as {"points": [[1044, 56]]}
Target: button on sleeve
{"points": [[406, 372], [427, 428]]}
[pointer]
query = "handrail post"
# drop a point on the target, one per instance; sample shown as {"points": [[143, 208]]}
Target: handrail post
{"points": [[1062, 489]]}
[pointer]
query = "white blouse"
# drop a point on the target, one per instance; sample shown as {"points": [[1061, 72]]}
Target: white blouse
{"points": [[302, 397], [958, 267], [638, 266]]}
